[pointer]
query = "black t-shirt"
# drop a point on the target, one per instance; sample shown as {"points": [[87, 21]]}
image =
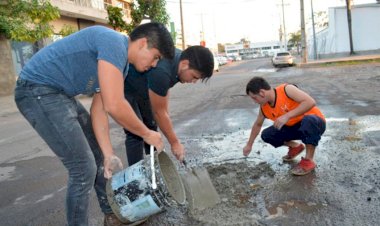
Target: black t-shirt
{"points": [[159, 79]]}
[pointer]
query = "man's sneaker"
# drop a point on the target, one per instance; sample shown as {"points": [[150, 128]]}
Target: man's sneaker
{"points": [[304, 167], [293, 152]]}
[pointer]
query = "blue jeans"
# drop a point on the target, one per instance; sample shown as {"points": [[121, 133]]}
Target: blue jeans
{"points": [[134, 144], [65, 125], [309, 131]]}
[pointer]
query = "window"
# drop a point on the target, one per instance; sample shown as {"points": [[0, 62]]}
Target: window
{"points": [[124, 6], [107, 3]]}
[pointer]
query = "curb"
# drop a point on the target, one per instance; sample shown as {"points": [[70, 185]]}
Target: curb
{"points": [[323, 63]]}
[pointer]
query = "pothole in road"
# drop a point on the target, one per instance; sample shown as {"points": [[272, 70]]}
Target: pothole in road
{"points": [[245, 192], [239, 186]]}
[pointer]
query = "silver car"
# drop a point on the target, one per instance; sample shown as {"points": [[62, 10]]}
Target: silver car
{"points": [[282, 58]]}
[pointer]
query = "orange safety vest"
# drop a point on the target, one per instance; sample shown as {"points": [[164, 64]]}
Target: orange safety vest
{"points": [[284, 104]]}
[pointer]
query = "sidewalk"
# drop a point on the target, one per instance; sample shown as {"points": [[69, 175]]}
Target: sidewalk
{"points": [[354, 58], [7, 105]]}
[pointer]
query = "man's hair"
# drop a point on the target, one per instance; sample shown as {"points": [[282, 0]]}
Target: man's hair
{"points": [[158, 37], [200, 59], [255, 84]]}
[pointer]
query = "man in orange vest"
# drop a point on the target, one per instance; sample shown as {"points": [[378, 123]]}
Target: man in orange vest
{"points": [[295, 117]]}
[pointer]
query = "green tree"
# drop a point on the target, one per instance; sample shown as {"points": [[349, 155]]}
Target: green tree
{"points": [[67, 30], [295, 40], [21, 20], [27, 20], [221, 48], [115, 18], [154, 10]]}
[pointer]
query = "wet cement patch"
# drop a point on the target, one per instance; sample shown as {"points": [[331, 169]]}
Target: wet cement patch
{"points": [[239, 185]]}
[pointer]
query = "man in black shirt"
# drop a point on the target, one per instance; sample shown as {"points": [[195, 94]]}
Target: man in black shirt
{"points": [[148, 94]]}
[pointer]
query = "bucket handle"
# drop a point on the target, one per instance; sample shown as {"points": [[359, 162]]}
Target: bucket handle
{"points": [[154, 184]]}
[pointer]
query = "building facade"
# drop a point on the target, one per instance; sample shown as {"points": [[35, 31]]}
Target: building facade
{"points": [[253, 50], [334, 40], [77, 14]]}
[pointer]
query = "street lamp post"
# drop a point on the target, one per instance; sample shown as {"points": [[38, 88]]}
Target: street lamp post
{"points": [[283, 21], [182, 28], [303, 33], [314, 38]]}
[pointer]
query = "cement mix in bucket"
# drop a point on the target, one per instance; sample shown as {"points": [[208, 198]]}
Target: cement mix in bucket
{"points": [[130, 191]]}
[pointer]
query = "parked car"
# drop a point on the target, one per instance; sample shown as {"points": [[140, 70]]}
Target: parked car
{"points": [[237, 58], [216, 64], [222, 60], [282, 58]]}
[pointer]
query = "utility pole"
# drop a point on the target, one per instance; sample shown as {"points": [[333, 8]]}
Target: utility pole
{"points": [[182, 28], [314, 38], [283, 21], [348, 4], [203, 31], [303, 34]]}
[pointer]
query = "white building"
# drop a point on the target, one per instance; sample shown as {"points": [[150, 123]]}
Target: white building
{"points": [[334, 40], [250, 50]]}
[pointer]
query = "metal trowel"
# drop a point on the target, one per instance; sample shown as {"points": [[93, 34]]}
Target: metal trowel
{"points": [[200, 192]]}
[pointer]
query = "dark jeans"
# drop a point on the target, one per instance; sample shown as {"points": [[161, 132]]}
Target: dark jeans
{"points": [[65, 125], [309, 131], [134, 144]]}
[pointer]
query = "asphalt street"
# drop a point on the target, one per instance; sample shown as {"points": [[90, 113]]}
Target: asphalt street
{"points": [[212, 121]]}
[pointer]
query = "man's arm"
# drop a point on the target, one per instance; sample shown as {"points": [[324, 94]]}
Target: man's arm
{"points": [[306, 102], [160, 107], [111, 84], [256, 128], [99, 119]]}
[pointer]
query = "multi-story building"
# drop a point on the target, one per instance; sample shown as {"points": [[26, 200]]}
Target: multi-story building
{"points": [[254, 49], [77, 14]]}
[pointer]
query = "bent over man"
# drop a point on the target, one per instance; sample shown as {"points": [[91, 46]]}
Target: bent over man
{"points": [[148, 94], [95, 61]]}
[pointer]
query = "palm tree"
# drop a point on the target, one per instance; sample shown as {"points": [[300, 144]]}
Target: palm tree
{"points": [[295, 40]]}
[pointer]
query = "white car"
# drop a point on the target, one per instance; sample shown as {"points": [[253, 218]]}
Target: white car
{"points": [[216, 64], [282, 58]]}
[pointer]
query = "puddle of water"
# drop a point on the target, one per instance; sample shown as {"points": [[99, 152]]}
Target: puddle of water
{"points": [[265, 70], [190, 122], [6, 172], [369, 123], [281, 209], [45, 197], [357, 103]]}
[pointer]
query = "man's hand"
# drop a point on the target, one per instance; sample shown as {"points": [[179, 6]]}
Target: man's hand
{"points": [[178, 151], [112, 164], [247, 149], [281, 121], [154, 138]]}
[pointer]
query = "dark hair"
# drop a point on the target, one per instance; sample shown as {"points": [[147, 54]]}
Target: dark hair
{"points": [[201, 59], [255, 84], [158, 37]]}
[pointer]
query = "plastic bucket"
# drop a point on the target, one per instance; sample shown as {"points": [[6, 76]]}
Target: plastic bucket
{"points": [[130, 193]]}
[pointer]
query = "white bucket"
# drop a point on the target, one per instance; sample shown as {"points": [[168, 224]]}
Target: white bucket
{"points": [[130, 193]]}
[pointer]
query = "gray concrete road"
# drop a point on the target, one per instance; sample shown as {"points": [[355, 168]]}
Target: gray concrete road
{"points": [[213, 121]]}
